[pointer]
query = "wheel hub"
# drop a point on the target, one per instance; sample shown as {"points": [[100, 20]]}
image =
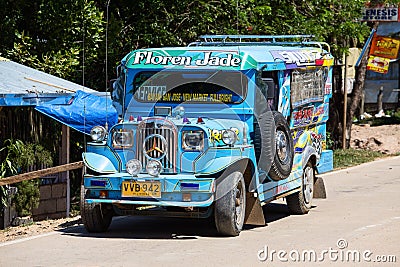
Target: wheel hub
{"points": [[239, 203], [281, 146], [308, 183]]}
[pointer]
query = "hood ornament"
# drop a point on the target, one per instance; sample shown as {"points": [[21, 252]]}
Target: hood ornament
{"points": [[155, 147]]}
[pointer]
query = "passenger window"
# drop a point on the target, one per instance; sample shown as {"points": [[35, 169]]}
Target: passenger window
{"points": [[269, 88]]}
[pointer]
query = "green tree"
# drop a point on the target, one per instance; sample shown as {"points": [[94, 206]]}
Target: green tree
{"points": [[57, 36], [19, 157], [8, 167], [52, 35]]}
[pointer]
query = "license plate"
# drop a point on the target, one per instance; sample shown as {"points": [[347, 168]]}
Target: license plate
{"points": [[141, 189]]}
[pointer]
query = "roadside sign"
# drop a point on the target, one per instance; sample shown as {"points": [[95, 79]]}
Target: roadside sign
{"points": [[385, 47], [378, 64]]}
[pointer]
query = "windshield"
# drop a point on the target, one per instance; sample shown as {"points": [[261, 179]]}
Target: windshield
{"points": [[189, 87]]}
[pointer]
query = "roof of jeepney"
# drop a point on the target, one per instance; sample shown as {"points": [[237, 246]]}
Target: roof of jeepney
{"points": [[273, 57]]}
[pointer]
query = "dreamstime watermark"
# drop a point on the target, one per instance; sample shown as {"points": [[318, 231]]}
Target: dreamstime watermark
{"points": [[339, 254]]}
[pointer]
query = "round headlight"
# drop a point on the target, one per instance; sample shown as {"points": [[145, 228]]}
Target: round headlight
{"points": [[98, 133], [154, 167], [192, 140], [122, 138], [133, 167], [229, 137]]}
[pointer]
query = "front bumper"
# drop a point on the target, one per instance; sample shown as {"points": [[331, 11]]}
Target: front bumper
{"points": [[175, 190]]}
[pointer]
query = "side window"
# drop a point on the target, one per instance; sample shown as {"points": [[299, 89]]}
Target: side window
{"points": [[308, 85], [268, 84]]}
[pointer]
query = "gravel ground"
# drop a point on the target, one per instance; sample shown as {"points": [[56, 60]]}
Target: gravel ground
{"points": [[385, 138], [37, 228]]}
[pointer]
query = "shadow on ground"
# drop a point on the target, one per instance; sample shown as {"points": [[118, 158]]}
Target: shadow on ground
{"points": [[140, 227]]}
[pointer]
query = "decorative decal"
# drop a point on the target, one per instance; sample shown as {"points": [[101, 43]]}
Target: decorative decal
{"points": [[316, 142], [303, 116], [215, 135], [308, 115], [297, 58], [146, 58], [310, 136]]}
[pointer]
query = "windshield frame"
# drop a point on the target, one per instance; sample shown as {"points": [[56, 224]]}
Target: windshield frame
{"points": [[202, 77]]}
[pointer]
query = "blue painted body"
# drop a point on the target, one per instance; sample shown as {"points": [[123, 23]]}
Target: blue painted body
{"points": [[198, 170]]}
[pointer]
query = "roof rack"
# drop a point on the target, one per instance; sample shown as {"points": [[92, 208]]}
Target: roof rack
{"points": [[246, 40]]}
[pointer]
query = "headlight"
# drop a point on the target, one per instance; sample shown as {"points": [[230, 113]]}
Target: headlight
{"points": [[98, 133], [178, 112], [229, 137], [133, 167], [122, 138], [192, 140], [154, 167]]}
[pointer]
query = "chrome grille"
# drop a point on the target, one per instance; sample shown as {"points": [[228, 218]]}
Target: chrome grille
{"points": [[165, 129]]}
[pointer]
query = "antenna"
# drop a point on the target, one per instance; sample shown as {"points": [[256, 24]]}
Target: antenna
{"points": [[237, 16], [83, 80], [106, 125]]}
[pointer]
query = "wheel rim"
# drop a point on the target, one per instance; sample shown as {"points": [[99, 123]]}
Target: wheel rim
{"points": [[281, 146], [308, 184], [239, 205]]}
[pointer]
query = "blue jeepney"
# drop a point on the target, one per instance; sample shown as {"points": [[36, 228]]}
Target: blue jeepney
{"points": [[214, 130]]}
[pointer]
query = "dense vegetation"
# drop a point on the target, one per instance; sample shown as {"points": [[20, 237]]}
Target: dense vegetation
{"points": [[60, 37]]}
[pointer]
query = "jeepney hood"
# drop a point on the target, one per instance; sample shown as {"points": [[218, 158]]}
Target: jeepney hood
{"points": [[212, 127], [109, 157]]}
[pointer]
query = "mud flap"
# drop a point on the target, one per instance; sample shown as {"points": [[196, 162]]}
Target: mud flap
{"points": [[319, 188], [254, 212]]}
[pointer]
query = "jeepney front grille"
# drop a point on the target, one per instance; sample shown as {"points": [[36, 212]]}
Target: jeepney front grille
{"points": [[169, 133]]}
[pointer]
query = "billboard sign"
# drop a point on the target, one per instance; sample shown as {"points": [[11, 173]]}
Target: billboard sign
{"points": [[383, 13]]}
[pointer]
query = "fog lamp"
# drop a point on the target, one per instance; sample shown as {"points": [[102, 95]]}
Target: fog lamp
{"points": [[154, 167], [133, 167]]}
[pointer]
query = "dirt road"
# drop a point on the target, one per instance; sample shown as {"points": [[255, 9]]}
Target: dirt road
{"points": [[360, 218]]}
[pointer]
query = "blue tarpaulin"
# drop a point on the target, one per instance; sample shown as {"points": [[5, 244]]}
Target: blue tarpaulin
{"points": [[83, 112]]}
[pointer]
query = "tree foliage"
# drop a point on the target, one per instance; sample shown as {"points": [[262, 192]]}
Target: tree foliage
{"points": [[19, 157], [52, 35], [67, 38]]}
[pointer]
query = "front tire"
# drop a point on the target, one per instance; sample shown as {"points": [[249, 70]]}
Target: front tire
{"points": [[301, 202], [229, 209], [95, 217]]}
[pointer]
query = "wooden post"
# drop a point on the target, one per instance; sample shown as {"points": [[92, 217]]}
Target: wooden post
{"points": [[64, 159], [362, 111], [345, 104], [380, 96], [40, 173]]}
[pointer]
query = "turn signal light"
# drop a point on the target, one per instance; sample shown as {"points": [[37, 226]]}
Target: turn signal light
{"points": [[319, 62], [103, 194], [187, 197]]}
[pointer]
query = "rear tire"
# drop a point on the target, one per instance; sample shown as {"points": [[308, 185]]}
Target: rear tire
{"points": [[301, 202], [229, 209], [95, 217]]}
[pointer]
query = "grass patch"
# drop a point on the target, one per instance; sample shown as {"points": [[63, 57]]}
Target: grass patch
{"points": [[352, 157]]}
